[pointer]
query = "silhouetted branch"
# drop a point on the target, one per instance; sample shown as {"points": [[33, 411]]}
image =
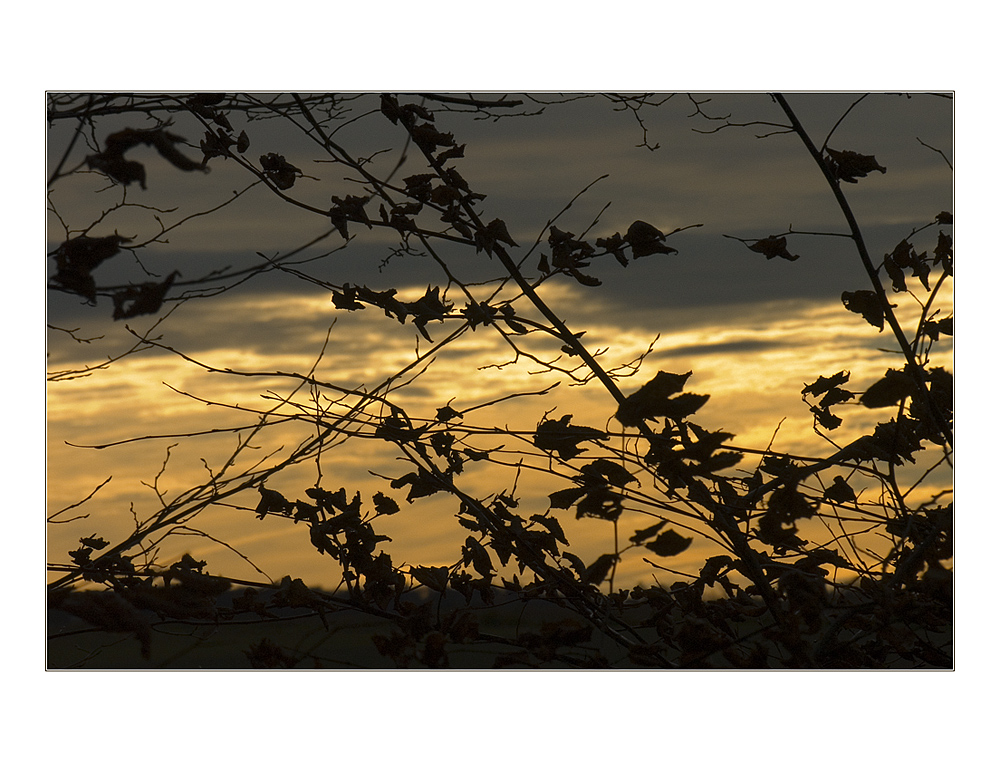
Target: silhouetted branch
{"points": [[937, 151], [912, 367]]}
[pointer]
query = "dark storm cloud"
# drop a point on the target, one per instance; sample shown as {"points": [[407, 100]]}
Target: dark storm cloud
{"points": [[722, 347], [730, 182]]}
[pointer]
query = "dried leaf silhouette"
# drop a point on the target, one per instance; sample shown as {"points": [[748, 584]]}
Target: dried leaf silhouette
{"points": [[905, 256], [473, 552], [890, 390], [77, 257], [390, 108], [583, 279], [113, 163], [646, 240], [598, 570], [710, 571], [335, 500], [562, 437], [217, 143], [385, 299], [866, 304], [600, 503], [669, 543], [642, 535], [479, 313], [896, 441], [594, 501], [457, 152], [271, 501], [824, 384], [428, 307], [789, 504], [498, 230], [569, 255], [422, 483], [825, 418], [509, 319], [840, 491], [614, 245], [777, 526], [606, 472], [446, 413], [848, 165], [278, 171], [779, 465], [435, 577], [895, 273], [655, 400], [384, 506], [772, 247], [934, 328], [564, 498], [346, 300], [829, 387], [348, 208], [943, 253], [428, 137], [551, 523], [95, 542], [706, 445], [143, 299]]}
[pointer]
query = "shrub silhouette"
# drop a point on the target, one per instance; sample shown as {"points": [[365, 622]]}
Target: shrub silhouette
{"points": [[777, 596]]}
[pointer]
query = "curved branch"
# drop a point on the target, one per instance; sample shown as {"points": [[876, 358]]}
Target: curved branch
{"points": [[912, 366]]}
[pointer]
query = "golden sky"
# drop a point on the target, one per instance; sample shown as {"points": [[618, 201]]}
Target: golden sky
{"points": [[752, 331]]}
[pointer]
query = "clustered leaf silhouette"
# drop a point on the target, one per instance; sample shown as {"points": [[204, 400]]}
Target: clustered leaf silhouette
{"points": [[773, 596]]}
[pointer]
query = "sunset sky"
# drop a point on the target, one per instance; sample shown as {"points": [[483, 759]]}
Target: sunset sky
{"points": [[752, 331]]}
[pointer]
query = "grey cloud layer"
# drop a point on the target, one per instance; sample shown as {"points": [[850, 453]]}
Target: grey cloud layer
{"points": [[730, 182]]}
